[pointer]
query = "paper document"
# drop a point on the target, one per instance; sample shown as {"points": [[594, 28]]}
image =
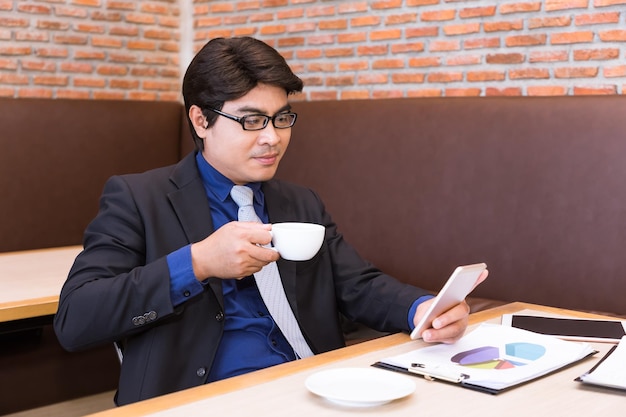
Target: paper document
{"points": [[491, 358], [611, 370]]}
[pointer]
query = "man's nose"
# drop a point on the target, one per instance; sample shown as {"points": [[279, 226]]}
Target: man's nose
{"points": [[269, 134]]}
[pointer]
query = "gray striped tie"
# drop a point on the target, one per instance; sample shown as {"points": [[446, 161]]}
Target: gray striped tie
{"points": [[269, 283]]}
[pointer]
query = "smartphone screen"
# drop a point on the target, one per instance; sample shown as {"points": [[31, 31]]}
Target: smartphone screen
{"points": [[569, 327]]}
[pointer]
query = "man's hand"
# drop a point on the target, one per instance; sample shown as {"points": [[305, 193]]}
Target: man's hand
{"points": [[449, 326], [233, 251]]}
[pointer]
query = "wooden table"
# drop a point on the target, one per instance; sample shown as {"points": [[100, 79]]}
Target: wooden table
{"points": [[31, 281], [280, 391]]}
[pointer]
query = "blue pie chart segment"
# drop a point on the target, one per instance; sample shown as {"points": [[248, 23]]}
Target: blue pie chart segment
{"points": [[527, 351]]}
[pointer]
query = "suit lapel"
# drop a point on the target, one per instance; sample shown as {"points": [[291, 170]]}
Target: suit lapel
{"points": [[192, 207]]}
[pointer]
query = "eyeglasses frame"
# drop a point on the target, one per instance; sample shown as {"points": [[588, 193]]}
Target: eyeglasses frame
{"points": [[241, 120]]}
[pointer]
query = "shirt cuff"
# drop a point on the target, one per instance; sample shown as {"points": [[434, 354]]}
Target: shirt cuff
{"points": [[413, 309], [183, 282]]}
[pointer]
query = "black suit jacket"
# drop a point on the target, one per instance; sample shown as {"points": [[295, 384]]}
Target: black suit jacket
{"points": [[118, 287]]}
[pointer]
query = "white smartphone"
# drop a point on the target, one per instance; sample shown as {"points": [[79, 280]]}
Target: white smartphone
{"points": [[458, 286]]}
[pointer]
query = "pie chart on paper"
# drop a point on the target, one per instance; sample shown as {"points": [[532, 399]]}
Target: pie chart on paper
{"points": [[491, 357]]}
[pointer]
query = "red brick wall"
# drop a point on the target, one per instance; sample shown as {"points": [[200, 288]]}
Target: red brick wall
{"points": [[342, 49], [100, 49], [395, 48]]}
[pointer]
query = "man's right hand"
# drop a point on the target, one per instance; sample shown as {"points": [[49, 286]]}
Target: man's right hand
{"points": [[233, 251]]}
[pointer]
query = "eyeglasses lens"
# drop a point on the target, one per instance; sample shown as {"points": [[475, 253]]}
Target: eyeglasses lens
{"points": [[258, 122], [284, 120]]}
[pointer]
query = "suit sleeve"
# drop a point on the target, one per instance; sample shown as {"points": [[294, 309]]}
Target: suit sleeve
{"points": [[113, 290]]}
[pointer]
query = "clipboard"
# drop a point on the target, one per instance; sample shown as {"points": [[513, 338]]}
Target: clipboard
{"points": [[434, 375], [477, 360]]}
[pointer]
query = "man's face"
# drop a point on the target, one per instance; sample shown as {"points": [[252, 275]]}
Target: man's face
{"points": [[248, 156]]}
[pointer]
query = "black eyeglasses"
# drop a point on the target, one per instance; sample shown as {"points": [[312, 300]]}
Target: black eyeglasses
{"points": [[260, 121]]}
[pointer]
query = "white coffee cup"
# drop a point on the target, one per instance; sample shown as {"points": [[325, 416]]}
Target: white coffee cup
{"points": [[297, 241]]}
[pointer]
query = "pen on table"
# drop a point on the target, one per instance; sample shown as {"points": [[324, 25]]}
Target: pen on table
{"points": [[438, 372]]}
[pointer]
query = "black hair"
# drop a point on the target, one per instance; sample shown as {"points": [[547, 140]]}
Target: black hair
{"points": [[228, 68]]}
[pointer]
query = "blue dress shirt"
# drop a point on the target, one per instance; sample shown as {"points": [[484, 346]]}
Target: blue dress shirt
{"points": [[251, 338]]}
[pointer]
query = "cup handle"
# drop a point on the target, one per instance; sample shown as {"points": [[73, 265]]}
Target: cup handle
{"points": [[271, 244]]}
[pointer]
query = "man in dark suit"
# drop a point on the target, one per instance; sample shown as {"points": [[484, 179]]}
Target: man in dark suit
{"points": [[167, 270]]}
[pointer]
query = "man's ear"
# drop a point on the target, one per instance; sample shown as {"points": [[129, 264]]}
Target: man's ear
{"points": [[198, 120]]}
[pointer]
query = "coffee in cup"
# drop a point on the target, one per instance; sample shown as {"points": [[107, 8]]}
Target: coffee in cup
{"points": [[297, 241]]}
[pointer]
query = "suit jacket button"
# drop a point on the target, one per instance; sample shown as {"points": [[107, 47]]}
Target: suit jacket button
{"points": [[201, 372], [219, 316], [151, 315]]}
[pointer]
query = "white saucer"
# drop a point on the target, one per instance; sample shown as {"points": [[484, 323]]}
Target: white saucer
{"points": [[360, 387]]}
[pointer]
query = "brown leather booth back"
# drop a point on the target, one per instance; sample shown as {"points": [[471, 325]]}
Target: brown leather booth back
{"points": [[534, 187], [55, 156]]}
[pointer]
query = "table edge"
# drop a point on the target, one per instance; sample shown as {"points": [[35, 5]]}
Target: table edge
{"points": [[273, 373], [26, 309]]}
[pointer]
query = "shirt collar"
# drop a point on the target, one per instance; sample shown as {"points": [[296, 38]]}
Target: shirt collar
{"points": [[219, 185]]}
